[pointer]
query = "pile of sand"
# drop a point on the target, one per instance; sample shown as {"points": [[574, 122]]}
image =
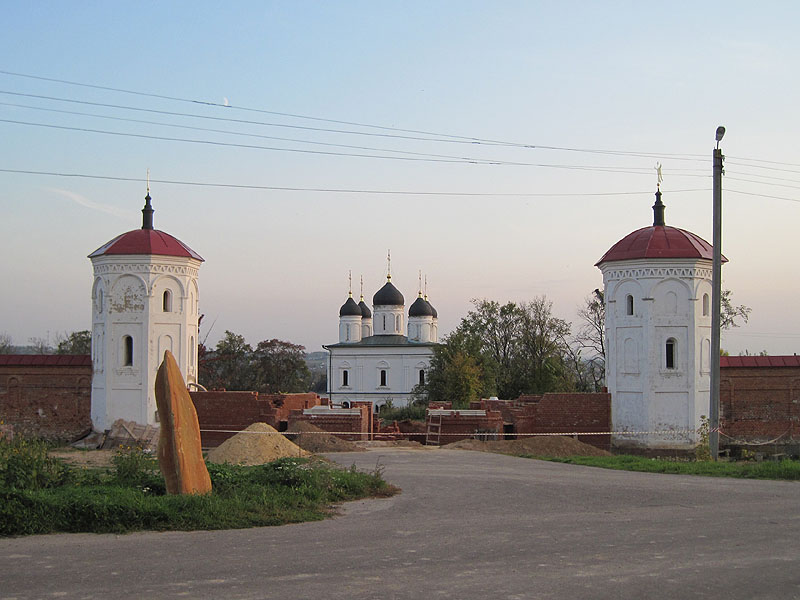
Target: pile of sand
{"points": [[256, 445], [555, 446], [312, 438]]}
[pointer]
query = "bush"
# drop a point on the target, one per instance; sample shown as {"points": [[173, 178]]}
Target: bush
{"points": [[24, 465]]}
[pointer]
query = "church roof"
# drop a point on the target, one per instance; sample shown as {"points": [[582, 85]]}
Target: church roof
{"points": [[350, 309], [366, 313], [381, 340], [659, 241], [146, 241], [420, 308], [388, 295], [759, 361]]}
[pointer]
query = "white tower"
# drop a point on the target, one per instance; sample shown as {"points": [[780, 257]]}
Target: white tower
{"points": [[144, 301], [388, 304], [657, 284], [420, 320]]}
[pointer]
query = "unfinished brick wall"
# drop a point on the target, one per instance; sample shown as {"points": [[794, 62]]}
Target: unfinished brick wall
{"points": [[355, 427], [759, 403], [46, 395], [222, 414], [556, 413], [456, 425]]}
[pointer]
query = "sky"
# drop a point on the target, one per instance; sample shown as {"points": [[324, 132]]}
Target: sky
{"points": [[498, 147]]}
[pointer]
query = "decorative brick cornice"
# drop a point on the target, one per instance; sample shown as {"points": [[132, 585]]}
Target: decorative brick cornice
{"points": [[658, 272]]}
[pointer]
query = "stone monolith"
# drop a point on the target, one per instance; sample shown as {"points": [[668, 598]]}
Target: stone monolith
{"points": [[179, 452]]}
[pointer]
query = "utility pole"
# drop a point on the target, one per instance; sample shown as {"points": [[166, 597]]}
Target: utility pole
{"points": [[716, 284]]}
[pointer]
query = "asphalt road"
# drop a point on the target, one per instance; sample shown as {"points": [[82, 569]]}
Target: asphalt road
{"points": [[467, 525]]}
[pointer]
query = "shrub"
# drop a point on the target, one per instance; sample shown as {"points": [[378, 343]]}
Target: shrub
{"points": [[24, 465]]}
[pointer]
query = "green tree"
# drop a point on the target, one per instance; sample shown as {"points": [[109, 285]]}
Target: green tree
{"points": [[280, 367], [541, 363], [730, 314], [77, 342], [229, 366]]}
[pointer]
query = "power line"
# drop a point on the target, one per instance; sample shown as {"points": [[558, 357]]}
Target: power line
{"points": [[762, 195], [786, 185], [337, 190], [451, 137]]}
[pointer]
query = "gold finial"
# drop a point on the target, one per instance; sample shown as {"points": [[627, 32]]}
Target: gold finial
{"points": [[362, 288], [350, 284], [420, 283], [389, 265], [426, 287], [148, 182]]}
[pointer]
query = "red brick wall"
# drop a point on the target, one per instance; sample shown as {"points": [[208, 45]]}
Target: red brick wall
{"points": [[557, 413], [759, 404], [456, 426], [359, 426], [230, 412], [48, 401]]}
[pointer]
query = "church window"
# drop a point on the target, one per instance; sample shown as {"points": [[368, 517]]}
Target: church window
{"points": [[127, 351], [705, 305], [384, 322], [629, 304], [345, 378], [347, 333], [670, 354], [422, 376], [383, 377], [166, 302], [398, 325]]}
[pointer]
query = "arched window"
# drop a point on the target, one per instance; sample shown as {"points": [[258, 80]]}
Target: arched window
{"points": [[705, 305], [347, 333], [166, 302], [422, 376], [384, 322], [670, 354], [345, 378], [383, 377], [127, 351], [398, 325], [100, 301], [629, 304]]}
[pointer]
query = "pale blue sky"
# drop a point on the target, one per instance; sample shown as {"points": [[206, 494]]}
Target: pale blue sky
{"points": [[650, 79]]}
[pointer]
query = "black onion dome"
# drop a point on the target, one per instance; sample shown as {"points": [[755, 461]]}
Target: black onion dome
{"points": [[388, 295], [420, 308], [433, 310], [366, 313], [350, 309]]}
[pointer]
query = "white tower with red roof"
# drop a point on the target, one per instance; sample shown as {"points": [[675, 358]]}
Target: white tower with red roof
{"points": [[144, 301], [658, 333]]}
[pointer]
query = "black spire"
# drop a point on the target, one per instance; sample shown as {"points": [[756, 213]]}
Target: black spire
{"points": [[147, 213], [658, 210]]}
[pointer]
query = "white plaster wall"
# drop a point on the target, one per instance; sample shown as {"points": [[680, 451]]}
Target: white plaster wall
{"points": [[420, 329], [392, 324], [350, 329], [132, 289], [646, 396]]}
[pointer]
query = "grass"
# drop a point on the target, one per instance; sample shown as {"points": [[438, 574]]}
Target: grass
{"points": [[41, 495], [785, 469]]}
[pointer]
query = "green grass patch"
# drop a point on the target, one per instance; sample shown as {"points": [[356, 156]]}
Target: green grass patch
{"points": [[784, 469], [41, 495]]}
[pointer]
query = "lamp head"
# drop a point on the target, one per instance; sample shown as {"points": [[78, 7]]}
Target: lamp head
{"points": [[720, 133]]}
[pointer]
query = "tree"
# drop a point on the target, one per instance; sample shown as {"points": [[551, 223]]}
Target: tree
{"points": [[40, 345], [588, 359], [504, 350], [730, 313], [229, 365], [280, 367], [77, 342], [6, 344]]}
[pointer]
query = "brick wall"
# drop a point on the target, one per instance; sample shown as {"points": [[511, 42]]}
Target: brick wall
{"points": [[458, 426], [46, 395], [356, 427], [222, 414], [556, 413], [759, 403]]}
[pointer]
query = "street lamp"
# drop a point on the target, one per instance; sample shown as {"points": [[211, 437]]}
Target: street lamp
{"points": [[716, 295]]}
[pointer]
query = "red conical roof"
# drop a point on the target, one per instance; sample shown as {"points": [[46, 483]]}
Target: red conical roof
{"points": [[659, 241], [146, 241]]}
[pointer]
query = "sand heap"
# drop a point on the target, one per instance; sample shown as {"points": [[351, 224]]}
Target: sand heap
{"points": [[312, 438], [258, 444], [555, 446]]}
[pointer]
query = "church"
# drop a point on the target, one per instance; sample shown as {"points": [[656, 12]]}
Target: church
{"points": [[374, 361]]}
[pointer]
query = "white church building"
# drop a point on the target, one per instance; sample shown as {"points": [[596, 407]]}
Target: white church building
{"points": [[657, 284], [144, 301], [375, 360]]}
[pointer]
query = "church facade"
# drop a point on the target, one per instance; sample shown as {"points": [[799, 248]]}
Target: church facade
{"points": [[380, 358], [657, 283], [144, 301]]}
